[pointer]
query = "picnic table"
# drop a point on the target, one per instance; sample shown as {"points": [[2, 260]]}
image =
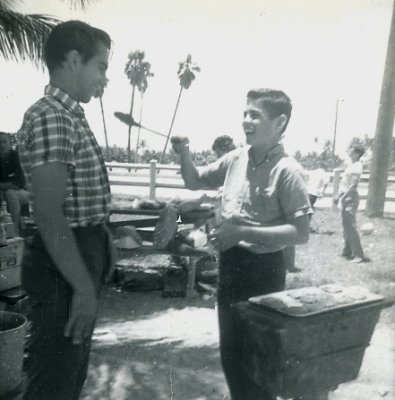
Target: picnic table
{"points": [[144, 220]]}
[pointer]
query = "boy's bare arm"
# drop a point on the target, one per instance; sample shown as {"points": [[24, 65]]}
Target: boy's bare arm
{"points": [[189, 172]]}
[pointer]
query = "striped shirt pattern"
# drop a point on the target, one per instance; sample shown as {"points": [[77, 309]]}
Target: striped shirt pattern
{"points": [[55, 129]]}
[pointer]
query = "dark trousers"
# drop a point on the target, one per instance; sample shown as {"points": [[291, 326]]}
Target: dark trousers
{"points": [[352, 240], [242, 275], [55, 369]]}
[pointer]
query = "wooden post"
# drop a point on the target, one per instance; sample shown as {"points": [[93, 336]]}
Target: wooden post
{"points": [[152, 181], [191, 276], [336, 182]]}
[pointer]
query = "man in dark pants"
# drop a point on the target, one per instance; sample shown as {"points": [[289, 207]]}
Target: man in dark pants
{"points": [[66, 264], [265, 208]]}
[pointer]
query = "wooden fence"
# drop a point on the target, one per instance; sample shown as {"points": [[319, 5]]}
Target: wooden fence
{"points": [[153, 169]]}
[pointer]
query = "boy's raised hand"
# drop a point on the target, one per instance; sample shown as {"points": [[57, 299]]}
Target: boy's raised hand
{"points": [[180, 144]]}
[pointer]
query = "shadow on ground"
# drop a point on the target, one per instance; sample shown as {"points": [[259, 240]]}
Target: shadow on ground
{"points": [[150, 348]]}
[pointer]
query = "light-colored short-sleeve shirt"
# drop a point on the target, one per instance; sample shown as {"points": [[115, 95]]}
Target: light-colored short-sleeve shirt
{"points": [[54, 129], [270, 193], [354, 169], [317, 180]]}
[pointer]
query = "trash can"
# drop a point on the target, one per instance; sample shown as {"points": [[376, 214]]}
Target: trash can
{"points": [[307, 341], [12, 338]]}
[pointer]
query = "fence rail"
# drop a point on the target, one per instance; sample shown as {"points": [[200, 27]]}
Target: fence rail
{"points": [[150, 179]]}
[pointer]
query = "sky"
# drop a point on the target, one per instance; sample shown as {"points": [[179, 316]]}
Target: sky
{"points": [[320, 52]]}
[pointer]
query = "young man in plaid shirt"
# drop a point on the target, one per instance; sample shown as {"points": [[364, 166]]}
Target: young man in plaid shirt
{"points": [[68, 259]]}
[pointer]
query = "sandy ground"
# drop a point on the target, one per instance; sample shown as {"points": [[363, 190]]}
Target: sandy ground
{"points": [[147, 347]]}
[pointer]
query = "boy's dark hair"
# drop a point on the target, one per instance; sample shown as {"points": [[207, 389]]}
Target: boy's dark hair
{"points": [[275, 102], [223, 144], [73, 35], [358, 148]]}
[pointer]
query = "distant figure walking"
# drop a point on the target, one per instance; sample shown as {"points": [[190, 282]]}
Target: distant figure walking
{"points": [[348, 198], [317, 182]]}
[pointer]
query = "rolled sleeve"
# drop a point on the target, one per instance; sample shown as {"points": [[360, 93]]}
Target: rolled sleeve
{"points": [[54, 139], [293, 195]]}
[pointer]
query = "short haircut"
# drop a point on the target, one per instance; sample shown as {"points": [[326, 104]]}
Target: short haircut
{"points": [[275, 102], [223, 143], [73, 35], [358, 148]]}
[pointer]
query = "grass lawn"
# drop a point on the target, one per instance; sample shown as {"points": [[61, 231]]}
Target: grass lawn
{"points": [[320, 264]]}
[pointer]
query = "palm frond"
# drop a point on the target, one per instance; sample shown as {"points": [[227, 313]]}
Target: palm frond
{"points": [[125, 118], [9, 4], [22, 36], [80, 3], [185, 72]]}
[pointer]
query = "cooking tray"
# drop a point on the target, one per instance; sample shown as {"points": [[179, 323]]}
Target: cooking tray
{"points": [[310, 301]]}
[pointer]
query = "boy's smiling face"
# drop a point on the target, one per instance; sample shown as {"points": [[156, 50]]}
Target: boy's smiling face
{"points": [[262, 132]]}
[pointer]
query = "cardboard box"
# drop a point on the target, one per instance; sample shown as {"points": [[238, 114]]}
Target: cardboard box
{"points": [[11, 255], [10, 263], [9, 228], [10, 277]]}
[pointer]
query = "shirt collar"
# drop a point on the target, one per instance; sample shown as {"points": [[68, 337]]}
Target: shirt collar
{"points": [[274, 153], [65, 99]]}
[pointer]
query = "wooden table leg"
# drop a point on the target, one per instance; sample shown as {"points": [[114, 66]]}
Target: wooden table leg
{"points": [[191, 276]]}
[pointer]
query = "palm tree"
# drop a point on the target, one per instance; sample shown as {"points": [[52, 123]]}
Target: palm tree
{"points": [[143, 87], [186, 75], [137, 72], [99, 94], [22, 36]]}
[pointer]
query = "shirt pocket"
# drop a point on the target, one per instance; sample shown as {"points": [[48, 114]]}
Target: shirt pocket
{"points": [[263, 205]]}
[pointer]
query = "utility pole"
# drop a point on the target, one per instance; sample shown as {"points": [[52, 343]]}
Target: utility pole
{"points": [[334, 133]]}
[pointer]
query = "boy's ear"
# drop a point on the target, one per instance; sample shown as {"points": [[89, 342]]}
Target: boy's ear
{"points": [[73, 59], [281, 121]]}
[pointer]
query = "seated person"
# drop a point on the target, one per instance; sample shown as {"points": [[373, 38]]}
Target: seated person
{"points": [[12, 180]]}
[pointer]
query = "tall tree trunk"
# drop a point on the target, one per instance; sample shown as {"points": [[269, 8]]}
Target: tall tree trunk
{"points": [[382, 143], [139, 128], [105, 129], [130, 126], [171, 126]]}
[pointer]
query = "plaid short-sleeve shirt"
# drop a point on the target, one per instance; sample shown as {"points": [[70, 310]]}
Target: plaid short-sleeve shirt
{"points": [[55, 129]]}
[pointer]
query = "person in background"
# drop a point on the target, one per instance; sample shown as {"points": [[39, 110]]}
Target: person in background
{"points": [[348, 197], [66, 264], [222, 144], [12, 180], [265, 208], [317, 181]]}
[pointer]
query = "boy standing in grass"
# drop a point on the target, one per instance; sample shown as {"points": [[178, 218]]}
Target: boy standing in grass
{"points": [[349, 200], [265, 208], [65, 265]]}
